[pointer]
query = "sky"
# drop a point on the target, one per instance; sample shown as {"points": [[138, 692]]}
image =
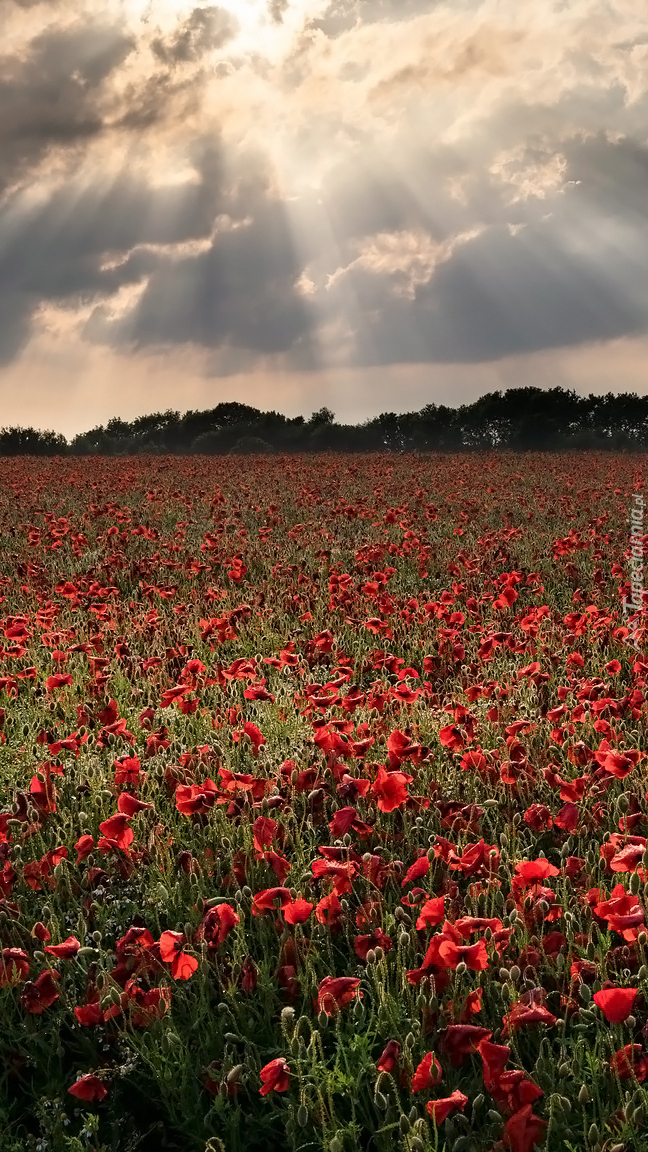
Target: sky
{"points": [[367, 204]]}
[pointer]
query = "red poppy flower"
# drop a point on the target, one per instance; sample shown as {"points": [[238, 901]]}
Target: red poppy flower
{"points": [[89, 1015], [64, 951], [629, 1062], [129, 805], [116, 829], [495, 1058], [266, 900], [521, 1015], [389, 1057], [14, 966], [217, 923], [249, 975], [531, 871], [334, 992], [513, 1090], [428, 1074], [616, 1004], [40, 994], [297, 911], [452, 737], [461, 1040], [376, 939], [524, 1130], [58, 680], [389, 789], [182, 964], [439, 1110], [420, 868], [84, 847], [89, 1088], [275, 1077], [431, 913]]}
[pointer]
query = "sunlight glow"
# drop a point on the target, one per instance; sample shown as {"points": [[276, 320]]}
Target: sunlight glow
{"points": [[258, 30]]}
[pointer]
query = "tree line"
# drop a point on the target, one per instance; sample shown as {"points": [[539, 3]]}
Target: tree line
{"points": [[519, 419]]}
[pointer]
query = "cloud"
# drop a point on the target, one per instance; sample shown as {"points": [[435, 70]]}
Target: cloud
{"points": [[409, 259], [277, 9], [53, 95], [204, 30], [359, 184]]}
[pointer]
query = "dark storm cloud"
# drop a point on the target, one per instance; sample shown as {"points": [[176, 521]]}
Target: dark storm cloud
{"points": [[239, 292], [52, 96], [57, 251], [203, 30], [498, 295], [529, 233]]}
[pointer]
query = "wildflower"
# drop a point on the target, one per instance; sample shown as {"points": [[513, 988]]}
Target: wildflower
{"points": [[428, 1074], [389, 1057], [182, 964], [89, 1088], [616, 1004], [275, 1077], [334, 992], [439, 1110]]}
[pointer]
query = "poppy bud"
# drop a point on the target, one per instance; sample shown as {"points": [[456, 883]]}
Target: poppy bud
{"points": [[404, 1125], [287, 1018], [381, 1101], [593, 1134], [635, 883], [379, 953], [371, 956], [477, 1102], [322, 1020], [515, 974], [631, 1021], [417, 1144], [583, 1095], [585, 994], [302, 1116], [335, 1145], [461, 968], [39, 956]]}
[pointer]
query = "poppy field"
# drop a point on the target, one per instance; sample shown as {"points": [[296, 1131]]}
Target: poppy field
{"points": [[324, 812]]}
